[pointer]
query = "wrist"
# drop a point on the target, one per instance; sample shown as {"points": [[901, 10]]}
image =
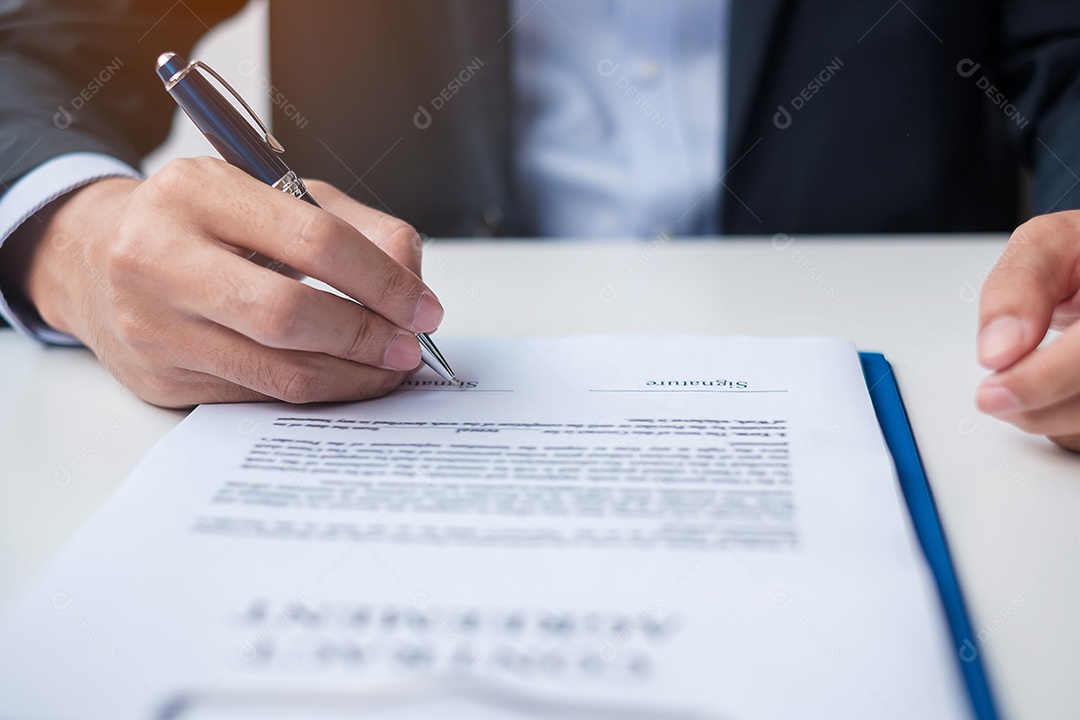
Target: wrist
{"points": [[58, 247]]}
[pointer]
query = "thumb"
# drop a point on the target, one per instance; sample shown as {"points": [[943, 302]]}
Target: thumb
{"points": [[1036, 271]]}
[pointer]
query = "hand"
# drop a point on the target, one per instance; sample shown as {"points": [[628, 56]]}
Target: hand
{"points": [[153, 277], [1034, 287]]}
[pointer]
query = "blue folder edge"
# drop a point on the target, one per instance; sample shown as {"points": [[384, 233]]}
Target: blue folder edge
{"points": [[891, 415]]}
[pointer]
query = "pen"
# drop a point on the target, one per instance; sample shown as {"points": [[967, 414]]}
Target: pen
{"points": [[256, 153]]}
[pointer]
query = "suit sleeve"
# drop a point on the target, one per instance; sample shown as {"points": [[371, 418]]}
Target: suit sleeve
{"points": [[1040, 73], [78, 76]]}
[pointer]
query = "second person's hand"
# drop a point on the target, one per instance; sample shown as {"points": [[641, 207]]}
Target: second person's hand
{"points": [[1033, 288]]}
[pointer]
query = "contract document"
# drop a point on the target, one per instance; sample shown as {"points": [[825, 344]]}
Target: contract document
{"points": [[591, 527]]}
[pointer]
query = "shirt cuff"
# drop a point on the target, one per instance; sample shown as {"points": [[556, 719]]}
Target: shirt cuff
{"points": [[31, 193]]}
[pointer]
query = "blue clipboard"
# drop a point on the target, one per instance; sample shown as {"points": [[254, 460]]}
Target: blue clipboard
{"points": [[891, 415]]}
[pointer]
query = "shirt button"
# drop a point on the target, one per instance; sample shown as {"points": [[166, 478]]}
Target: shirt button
{"points": [[648, 69]]}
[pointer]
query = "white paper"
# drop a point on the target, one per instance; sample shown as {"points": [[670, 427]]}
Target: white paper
{"points": [[594, 527]]}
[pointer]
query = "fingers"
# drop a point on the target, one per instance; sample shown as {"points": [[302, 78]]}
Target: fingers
{"points": [[1034, 274], [395, 238], [1058, 421], [289, 375], [239, 210], [279, 312], [190, 388], [1035, 388], [1036, 392], [1035, 283], [1069, 442], [195, 361]]}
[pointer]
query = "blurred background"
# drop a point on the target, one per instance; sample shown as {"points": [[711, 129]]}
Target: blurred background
{"points": [[237, 49]]}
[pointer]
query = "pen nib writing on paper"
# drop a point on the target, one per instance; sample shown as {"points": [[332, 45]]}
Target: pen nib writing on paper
{"points": [[434, 359]]}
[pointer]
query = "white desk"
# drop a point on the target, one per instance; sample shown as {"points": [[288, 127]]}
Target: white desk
{"points": [[69, 434]]}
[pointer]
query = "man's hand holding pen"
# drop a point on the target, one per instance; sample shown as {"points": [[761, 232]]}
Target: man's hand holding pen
{"points": [[152, 276]]}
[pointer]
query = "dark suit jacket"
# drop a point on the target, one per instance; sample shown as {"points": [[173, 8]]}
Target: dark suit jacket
{"points": [[928, 107]]}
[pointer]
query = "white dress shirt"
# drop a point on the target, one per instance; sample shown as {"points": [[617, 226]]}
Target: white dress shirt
{"points": [[620, 115]]}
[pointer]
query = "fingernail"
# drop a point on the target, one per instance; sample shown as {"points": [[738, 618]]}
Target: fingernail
{"points": [[428, 315], [999, 340], [996, 399], [403, 353]]}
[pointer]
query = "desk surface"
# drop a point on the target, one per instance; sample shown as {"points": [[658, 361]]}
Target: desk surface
{"points": [[69, 434]]}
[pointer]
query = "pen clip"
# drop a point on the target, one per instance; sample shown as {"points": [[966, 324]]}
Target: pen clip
{"points": [[271, 141]]}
